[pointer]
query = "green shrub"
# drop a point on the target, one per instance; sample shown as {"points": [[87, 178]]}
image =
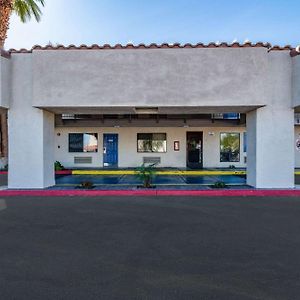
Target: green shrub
{"points": [[5, 168], [146, 174], [58, 166], [219, 185], [86, 185]]}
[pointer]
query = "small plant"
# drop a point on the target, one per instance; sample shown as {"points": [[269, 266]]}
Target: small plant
{"points": [[86, 185], [58, 166], [219, 185], [5, 168], [146, 174]]}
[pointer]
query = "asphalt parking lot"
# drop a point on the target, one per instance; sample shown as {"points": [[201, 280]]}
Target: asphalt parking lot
{"points": [[149, 248]]}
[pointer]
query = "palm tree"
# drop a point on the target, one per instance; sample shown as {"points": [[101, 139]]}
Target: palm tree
{"points": [[25, 9]]}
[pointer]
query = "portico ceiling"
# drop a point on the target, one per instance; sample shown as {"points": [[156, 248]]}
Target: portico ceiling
{"points": [[153, 110]]}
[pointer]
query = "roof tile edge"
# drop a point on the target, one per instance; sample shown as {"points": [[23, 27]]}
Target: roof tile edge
{"points": [[156, 46], [295, 52], [4, 53]]}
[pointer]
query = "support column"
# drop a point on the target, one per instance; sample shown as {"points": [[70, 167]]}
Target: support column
{"points": [[31, 148], [270, 150]]}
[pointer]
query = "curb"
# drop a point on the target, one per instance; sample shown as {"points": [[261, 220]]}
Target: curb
{"points": [[202, 193]]}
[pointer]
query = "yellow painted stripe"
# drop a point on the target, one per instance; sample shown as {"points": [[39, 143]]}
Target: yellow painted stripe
{"points": [[103, 172], [170, 172], [201, 172], [177, 172]]}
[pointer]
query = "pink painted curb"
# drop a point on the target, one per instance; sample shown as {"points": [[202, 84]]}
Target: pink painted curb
{"points": [[64, 172], [203, 193]]}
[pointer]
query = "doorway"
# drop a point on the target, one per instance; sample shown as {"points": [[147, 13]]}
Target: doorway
{"points": [[194, 150], [110, 150]]}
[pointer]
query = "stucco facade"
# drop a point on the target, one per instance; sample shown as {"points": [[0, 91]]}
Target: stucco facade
{"points": [[129, 157], [256, 80]]}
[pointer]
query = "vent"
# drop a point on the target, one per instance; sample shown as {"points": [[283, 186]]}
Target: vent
{"points": [[82, 160], [151, 160]]}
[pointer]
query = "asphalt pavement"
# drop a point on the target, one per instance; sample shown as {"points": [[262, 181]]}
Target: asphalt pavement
{"points": [[149, 248]]}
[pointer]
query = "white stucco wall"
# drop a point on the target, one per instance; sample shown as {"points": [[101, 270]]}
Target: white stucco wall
{"points": [[296, 81], [158, 77], [129, 157], [270, 139], [31, 134], [297, 151]]}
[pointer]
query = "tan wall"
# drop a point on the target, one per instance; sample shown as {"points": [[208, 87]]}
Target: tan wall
{"points": [[129, 157]]}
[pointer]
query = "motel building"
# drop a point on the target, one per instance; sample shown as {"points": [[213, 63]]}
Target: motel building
{"points": [[180, 106]]}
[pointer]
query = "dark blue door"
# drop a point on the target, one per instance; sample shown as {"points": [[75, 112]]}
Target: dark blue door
{"points": [[110, 150]]}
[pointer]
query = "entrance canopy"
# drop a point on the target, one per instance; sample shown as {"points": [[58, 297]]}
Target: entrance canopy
{"points": [[151, 117], [134, 110]]}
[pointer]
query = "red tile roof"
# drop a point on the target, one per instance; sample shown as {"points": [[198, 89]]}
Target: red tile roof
{"points": [[153, 46], [4, 53]]}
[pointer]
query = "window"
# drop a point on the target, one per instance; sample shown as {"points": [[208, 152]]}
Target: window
{"points": [[231, 116], [152, 142], [226, 116], [229, 147], [83, 142]]}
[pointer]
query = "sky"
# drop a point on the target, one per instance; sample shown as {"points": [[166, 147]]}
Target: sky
{"points": [[158, 21]]}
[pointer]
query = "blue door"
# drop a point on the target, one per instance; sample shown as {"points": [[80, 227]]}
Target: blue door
{"points": [[110, 150]]}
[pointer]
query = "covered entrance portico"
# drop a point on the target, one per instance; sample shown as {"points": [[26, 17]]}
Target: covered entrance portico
{"points": [[156, 95], [171, 139], [193, 134]]}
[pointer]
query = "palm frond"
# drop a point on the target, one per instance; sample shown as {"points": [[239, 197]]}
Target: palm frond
{"points": [[25, 9]]}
